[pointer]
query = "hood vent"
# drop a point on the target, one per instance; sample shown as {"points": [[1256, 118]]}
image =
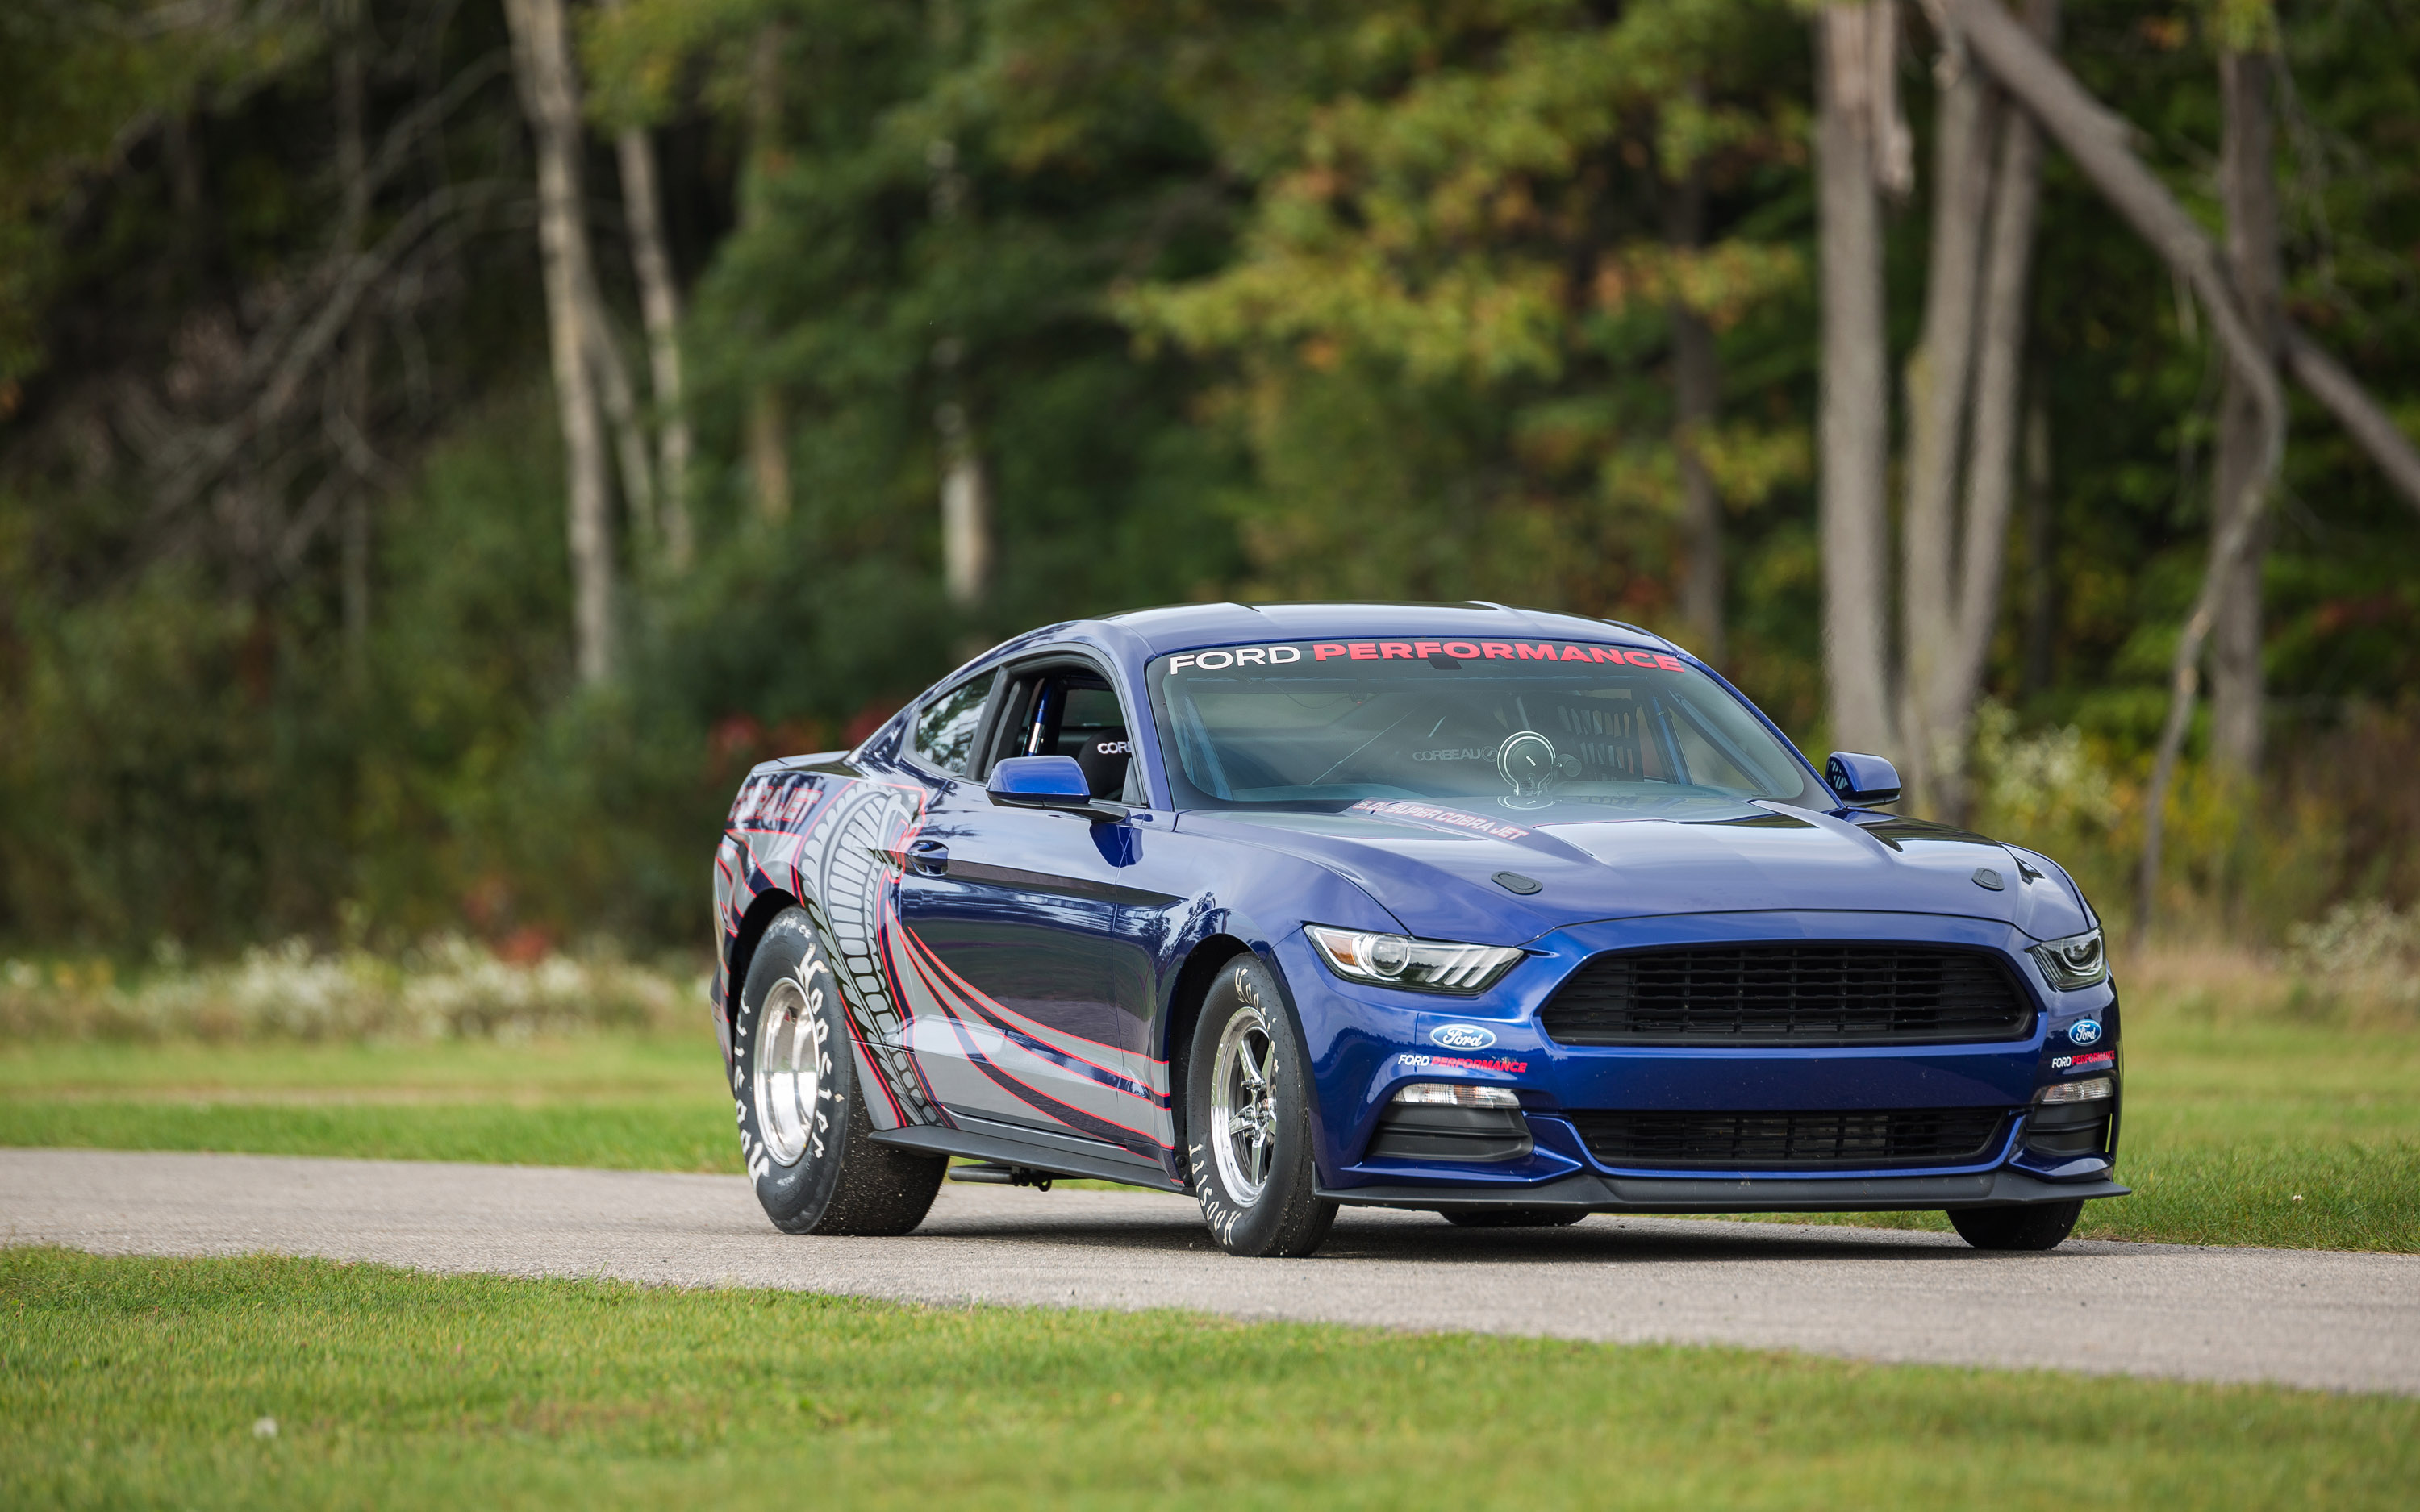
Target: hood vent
{"points": [[1788, 994]]}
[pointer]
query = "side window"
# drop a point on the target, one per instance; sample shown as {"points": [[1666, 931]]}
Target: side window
{"points": [[1067, 711], [945, 728]]}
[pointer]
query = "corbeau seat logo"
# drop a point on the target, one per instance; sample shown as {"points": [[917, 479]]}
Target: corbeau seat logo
{"points": [[1113, 747], [2084, 1031], [1462, 1037]]}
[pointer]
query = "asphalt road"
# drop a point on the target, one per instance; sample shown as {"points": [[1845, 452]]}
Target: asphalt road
{"points": [[2305, 1318]]}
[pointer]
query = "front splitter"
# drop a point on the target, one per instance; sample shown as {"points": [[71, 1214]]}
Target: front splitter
{"points": [[1591, 1193]]}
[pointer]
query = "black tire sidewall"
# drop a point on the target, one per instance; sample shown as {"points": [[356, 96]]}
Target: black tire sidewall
{"points": [[2036, 1227], [1287, 1217], [795, 1196]]}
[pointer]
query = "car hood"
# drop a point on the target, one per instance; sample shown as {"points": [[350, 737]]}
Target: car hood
{"points": [[1433, 864]]}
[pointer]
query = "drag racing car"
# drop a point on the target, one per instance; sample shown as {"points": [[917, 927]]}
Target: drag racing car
{"points": [[1507, 916]]}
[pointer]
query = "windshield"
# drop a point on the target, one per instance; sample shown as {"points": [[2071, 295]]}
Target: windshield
{"points": [[1331, 723]]}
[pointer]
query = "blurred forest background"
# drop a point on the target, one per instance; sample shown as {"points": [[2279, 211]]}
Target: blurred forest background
{"points": [[445, 442]]}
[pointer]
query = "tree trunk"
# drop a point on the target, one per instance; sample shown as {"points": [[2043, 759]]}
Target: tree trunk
{"points": [[542, 66], [659, 308], [966, 493], [966, 510], [1697, 396], [1853, 424], [2248, 185], [621, 404], [352, 371], [1938, 381], [2041, 548], [1990, 462], [768, 424]]}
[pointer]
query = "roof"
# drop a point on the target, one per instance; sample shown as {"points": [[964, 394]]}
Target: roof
{"points": [[1183, 627]]}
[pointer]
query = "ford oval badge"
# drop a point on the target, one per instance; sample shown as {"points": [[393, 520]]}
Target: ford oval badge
{"points": [[2084, 1031], [1462, 1037]]}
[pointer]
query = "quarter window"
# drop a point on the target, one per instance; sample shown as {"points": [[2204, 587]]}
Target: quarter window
{"points": [[945, 728]]}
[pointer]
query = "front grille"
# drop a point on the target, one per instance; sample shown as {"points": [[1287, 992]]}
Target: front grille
{"points": [[1788, 994], [1862, 1140]]}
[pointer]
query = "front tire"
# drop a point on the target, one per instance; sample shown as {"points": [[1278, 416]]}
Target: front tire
{"points": [[803, 1128], [1248, 1119], [2036, 1227]]}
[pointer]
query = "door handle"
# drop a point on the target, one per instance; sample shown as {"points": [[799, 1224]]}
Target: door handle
{"points": [[929, 858]]}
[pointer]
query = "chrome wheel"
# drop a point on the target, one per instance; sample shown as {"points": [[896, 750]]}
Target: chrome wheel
{"points": [[792, 1064], [1243, 1105]]}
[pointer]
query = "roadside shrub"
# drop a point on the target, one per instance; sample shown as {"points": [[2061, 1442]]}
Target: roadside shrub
{"points": [[448, 988]]}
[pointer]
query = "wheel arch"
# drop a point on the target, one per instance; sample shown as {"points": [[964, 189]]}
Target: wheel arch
{"points": [[1193, 978], [762, 910]]}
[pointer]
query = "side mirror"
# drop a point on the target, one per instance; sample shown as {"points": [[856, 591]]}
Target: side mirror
{"points": [[1861, 780], [1053, 782]]}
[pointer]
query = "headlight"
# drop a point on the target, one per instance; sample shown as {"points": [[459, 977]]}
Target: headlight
{"points": [[2077, 960], [1418, 966]]}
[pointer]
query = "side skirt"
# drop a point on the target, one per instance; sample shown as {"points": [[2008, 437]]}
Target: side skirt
{"points": [[981, 1139], [1625, 1193]]}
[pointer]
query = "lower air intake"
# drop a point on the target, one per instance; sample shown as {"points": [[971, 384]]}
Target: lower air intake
{"points": [[1758, 1141]]}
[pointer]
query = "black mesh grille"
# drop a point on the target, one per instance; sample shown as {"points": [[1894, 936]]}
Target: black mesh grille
{"points": [[1788, 994], [1862, 1140]]}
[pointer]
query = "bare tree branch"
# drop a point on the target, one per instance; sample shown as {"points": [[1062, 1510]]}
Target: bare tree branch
{"points": [[2369, 425], [2097, 139]]}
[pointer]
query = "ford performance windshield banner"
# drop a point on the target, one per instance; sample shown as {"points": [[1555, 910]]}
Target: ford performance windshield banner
{"points": [[1313, 653]]}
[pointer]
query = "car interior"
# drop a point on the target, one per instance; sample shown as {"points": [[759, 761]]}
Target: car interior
{"points": [[1069, 710]]}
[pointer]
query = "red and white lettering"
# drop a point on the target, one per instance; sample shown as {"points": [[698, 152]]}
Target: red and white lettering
{"points": [[1394, 649], [1424, 648], [1179, 664], [1279, 656], [1639, 658], [1461, 649], [1530, 653], [1670, 664], [1252, 655], [1325, 649], [1497, 648], [1365, 651]]}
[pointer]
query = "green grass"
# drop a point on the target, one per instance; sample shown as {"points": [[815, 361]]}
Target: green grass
{"points": [[630, 1103], [132, 1382], [2228, 1121]]}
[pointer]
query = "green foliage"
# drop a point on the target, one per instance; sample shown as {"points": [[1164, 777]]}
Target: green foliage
{"points": [[1239, 299], [75, 75], [1449, 306]]}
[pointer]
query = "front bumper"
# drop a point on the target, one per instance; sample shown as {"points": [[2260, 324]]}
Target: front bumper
{"points": [[1365, 1043]]}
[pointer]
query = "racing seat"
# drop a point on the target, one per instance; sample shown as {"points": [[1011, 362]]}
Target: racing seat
{"points": [[1103, 754]]}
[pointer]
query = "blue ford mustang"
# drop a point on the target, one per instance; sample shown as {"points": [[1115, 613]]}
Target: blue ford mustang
{"points": [[1507, 916]]}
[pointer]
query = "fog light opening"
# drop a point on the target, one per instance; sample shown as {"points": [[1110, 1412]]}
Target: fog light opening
{"points": [[1447, 1094], [2091, 1089]]}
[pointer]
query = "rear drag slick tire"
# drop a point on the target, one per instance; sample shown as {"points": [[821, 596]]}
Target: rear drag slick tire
{"points": [[803, 1126]]}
